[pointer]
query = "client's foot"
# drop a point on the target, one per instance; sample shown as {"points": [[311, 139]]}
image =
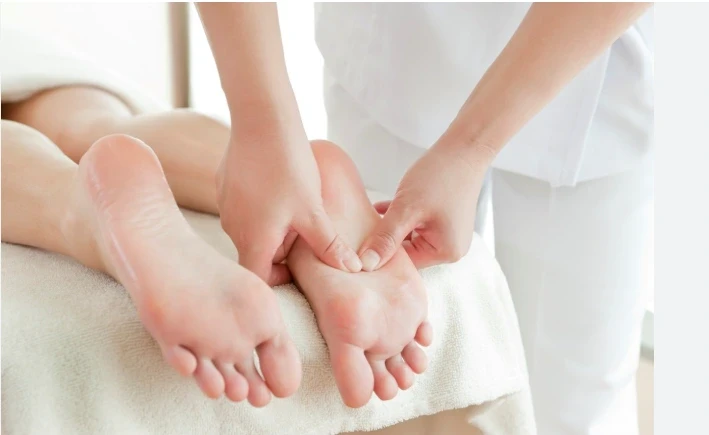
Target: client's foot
{"points": [[206, 312], [371, 321]]}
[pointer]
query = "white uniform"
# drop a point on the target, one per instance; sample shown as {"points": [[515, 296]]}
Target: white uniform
{"points": [[571, 192]]}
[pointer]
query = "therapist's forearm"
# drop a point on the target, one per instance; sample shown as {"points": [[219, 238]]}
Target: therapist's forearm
{"points": [[245, 39], [554, 43]]}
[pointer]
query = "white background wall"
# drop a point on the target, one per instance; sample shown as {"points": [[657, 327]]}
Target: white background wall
{"points": [[303, 61], [114, 34]]}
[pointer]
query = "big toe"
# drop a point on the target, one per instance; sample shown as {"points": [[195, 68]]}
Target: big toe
{"points": [[280, 365], [353, 374]]}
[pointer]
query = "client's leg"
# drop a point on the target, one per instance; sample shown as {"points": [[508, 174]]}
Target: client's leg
{"points": [[369, 320], [35, 176], [189, 145], [115, 212]]}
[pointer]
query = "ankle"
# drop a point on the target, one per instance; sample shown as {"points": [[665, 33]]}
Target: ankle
{"points": [[75, 229]]}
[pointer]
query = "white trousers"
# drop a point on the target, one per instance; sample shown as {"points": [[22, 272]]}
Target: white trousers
{"points": [[576, 261]]}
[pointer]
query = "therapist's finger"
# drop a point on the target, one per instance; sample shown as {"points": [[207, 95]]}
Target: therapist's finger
{"points": [[421, 252], [382, 207], [319, 233], [257, 256], [386, 238], [283, 250]]}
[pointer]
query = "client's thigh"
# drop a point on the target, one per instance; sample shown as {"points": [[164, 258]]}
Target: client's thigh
{"points": [[68, 115]]}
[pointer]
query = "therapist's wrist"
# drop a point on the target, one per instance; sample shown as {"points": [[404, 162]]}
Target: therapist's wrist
{"points": [[271, 115], [260, 94], [470, 144]]}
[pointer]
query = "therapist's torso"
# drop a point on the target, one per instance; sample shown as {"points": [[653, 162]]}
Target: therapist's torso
{"points": [[411, 67]]}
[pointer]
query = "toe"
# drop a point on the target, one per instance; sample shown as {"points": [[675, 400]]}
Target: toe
{"points": [[384, 383], [415, 357], [259, 394], [424, 334], [180, 359], [235, 386], [209, 379], [400, 371], [280, 365], [353, 374]]}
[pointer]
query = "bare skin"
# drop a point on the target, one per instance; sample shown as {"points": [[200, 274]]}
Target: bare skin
{"points": [[371, 322], [117, 211]]}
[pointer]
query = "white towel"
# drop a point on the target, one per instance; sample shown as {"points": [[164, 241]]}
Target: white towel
{"points": [[76, 359]]}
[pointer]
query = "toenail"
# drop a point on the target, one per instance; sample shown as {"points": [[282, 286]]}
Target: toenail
{"points": [[370, 260]]}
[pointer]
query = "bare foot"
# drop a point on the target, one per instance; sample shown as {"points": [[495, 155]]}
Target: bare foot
{"points": [[206, 312], [371, 321]]}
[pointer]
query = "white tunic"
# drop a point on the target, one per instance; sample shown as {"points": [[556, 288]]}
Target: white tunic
{"points": [[411, 67]]}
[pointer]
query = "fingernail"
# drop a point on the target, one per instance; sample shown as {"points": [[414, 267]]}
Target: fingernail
{"points": [[352, 263], [370, 260]]}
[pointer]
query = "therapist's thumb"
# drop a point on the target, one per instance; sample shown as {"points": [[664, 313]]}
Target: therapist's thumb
{"points": [[386, 237], [319, 233]]}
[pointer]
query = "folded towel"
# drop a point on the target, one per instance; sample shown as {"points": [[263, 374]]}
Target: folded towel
{"points": [[76, 359]]}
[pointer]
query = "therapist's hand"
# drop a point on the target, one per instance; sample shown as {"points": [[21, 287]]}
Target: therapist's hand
{"points": [[436, 201], [438, 195], [268, 193], [268, 184]]}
